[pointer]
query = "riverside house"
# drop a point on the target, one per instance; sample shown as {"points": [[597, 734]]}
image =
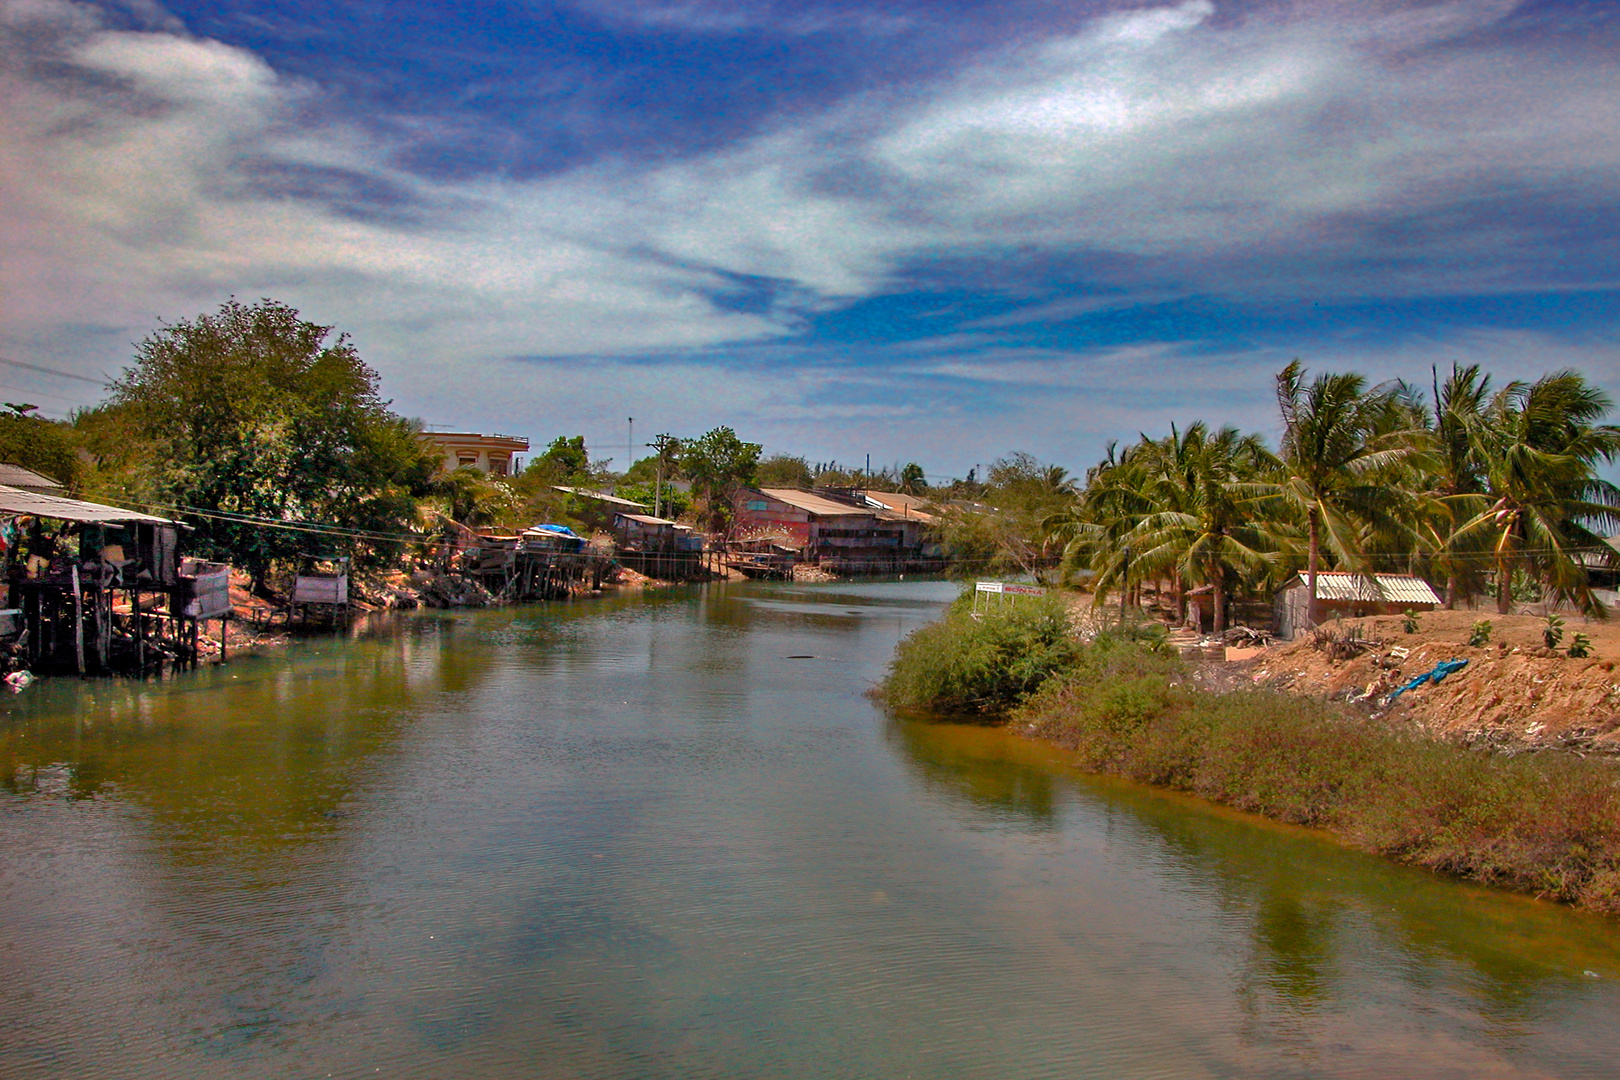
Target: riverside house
{"points": [[840, 530]]}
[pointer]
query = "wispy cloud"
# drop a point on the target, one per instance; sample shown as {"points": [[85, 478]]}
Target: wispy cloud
{"points": [[1394, 150]]}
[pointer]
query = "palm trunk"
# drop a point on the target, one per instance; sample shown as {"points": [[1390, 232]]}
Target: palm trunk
{"points": [[1313, 608], [1504, 588], [1451, 592], [1217, 596]]}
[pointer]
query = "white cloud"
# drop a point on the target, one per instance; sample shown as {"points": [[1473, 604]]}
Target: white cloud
{"points": [[149, 174]]}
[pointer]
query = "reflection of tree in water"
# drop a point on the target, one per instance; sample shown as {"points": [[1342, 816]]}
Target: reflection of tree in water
{"points": [[1290, 970], [231, 787], [1305, 904], [962, 759], [1309, 903]]}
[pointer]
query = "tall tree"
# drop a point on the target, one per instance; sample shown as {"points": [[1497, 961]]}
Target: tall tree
{"points": [[719, 464], [260, 416], [1341, 445]]}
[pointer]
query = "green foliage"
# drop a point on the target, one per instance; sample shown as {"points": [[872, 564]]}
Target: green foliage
{"points": [[719, 464], [1524, 588], [1480, 634], [672, 503], [1409, 621], [1011, 533], [1553, 632], [1580, 647], [45, 446], [254, 411], [566, 459], [985, 664], [783, 471], [912, 479]]}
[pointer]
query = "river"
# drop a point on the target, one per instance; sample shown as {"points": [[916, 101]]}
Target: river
{"points": [[668, 836]]}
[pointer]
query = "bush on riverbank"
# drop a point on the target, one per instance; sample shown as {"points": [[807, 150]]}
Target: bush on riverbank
{"points": [[985, 665], [1548, 825]]}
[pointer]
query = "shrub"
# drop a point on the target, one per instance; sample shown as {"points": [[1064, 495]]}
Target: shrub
{"points": [[982, 664], [1480, 635], [1409, 621], [1580, 647]]}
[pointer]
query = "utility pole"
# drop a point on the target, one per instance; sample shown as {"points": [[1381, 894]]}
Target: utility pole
{"points": [[663, 444], [630, 448]]}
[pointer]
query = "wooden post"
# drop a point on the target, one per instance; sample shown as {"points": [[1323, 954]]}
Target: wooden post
{"points": [[224, 632], [140, 629], [78, 619]]}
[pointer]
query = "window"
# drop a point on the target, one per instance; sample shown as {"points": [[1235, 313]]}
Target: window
{"points": [[756, 504]]}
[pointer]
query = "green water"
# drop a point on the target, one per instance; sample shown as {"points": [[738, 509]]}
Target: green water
{"points": [[668, 836]]}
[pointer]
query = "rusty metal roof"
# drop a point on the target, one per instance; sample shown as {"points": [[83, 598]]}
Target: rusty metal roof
{"points": [[815, 504], [17, 501], [1372, 588]]}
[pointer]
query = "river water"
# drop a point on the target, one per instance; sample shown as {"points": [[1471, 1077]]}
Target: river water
{"points": [[669, 836]]}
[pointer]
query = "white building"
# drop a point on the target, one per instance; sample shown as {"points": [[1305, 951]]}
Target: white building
{"points": [[493, 454]]}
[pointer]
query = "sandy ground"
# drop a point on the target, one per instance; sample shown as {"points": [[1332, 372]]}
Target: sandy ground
{"points": [[1514, 691]]}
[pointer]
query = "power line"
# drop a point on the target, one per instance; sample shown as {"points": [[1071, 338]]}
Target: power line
{"points": [[52, 371]]}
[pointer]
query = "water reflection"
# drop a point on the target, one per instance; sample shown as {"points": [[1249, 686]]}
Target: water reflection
{"points": [[670, 836], [955, 758], [1503, 969]]}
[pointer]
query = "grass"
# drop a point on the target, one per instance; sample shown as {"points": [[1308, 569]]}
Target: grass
{"points": [[1545, 824]]}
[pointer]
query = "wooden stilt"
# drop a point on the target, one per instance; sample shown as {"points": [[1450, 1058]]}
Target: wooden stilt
{"points": [[78, 619]]}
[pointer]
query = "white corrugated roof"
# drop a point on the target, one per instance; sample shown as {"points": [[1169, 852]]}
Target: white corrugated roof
{"points": [[1372, 588], [17, 501]]}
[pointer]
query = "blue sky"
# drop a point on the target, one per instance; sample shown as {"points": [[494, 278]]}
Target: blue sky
{"points": [[934, 231]]}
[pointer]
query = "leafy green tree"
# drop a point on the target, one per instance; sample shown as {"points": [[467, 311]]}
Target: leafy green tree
{"points": [[46, 446], [1203, 523], [1023, 494], [255, 413], [719, 464], [566, 458], [784, 471]]}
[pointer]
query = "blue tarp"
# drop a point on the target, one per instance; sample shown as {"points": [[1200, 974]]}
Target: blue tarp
{"points": [[1440, 671], [562, 530]]}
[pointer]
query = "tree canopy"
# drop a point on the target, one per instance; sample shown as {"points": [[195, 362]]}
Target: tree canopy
{"points": [[252, 415]]}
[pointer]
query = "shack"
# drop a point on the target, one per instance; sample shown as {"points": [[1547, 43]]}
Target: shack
{"points": [[99, 590], [1340, 594], [596, 508], [658, 547]]}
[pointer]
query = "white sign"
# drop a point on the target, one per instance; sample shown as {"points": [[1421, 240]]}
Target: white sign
{"points": [[1009, 588]]}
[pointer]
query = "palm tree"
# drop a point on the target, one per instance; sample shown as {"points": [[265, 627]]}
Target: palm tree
{"points": [[1205, 525], [1455, 474], [1538, 444], [1342, 444]]}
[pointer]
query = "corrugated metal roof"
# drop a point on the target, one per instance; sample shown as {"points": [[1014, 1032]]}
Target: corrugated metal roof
{"points": [[895, 500], [18, 477], [815, 504], [1373, 588], [17, 501], [601, 496], [645, 519]]}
